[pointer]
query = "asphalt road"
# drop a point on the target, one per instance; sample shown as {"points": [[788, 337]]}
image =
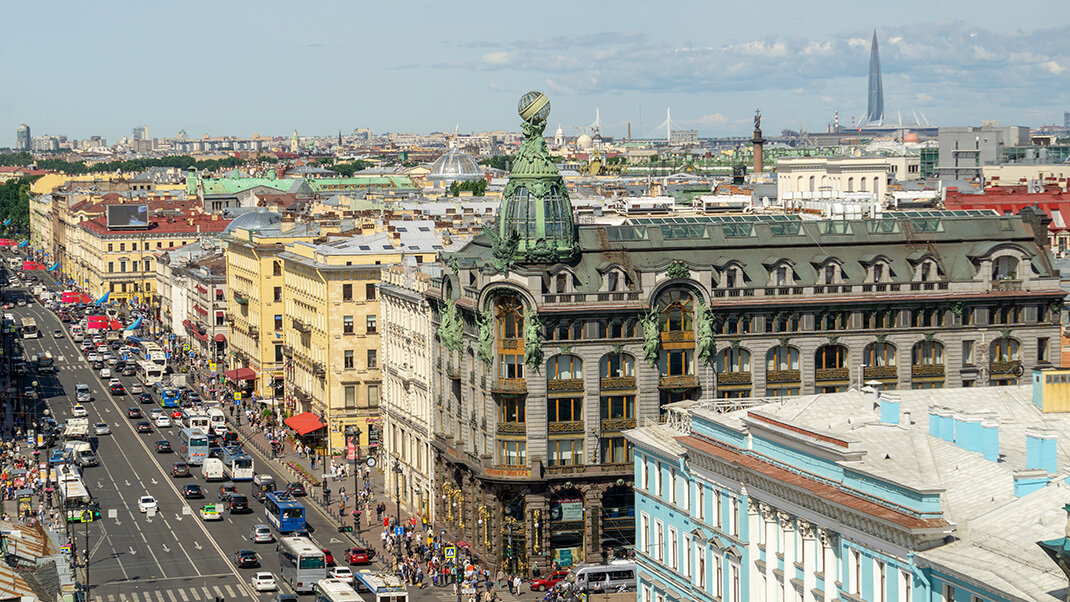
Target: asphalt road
{"points": [[174, 556]]}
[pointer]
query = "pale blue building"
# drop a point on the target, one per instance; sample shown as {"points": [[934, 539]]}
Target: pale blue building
{"points": [[934, 495]]}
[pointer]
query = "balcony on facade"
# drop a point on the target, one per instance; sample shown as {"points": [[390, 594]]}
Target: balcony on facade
{"points": [[684, 381], [1009, 368], [301, 326], [619, 297], [880, 372], [616, 383], [509, 386], [254, 332], [927, 371], [512, 428], [733, 378], [318, 370], [565, 385], [616, 425], [240, 298]]}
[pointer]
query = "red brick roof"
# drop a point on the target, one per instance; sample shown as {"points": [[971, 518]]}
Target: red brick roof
{"points": [[201, 223], [818, 489]]}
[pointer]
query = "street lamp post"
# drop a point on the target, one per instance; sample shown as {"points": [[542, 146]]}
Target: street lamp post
{"points": [[397, 501]]}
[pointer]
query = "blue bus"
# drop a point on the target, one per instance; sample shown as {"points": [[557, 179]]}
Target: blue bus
{"points": [[193, 446], [169, 398], [284, 512]]}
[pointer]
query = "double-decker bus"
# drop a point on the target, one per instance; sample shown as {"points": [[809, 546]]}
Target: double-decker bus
{"points": [[193, 446], [29, 329], [148, 372], [379, 587], [284, 512], [237, 465], [301, 563]]}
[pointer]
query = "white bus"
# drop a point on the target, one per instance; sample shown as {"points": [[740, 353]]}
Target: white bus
{"points": [[195, 419], [335, 590], [29, 329], [379, 587], [149, 351], [148, 372], [9, 324], [301, 563]]}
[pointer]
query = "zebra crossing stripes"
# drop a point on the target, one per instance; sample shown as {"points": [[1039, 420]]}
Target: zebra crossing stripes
{"points": [[177, 594]]}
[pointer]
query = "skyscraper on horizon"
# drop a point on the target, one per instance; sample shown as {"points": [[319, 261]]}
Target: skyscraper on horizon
{"points": [[875, 109], [22, 138]]}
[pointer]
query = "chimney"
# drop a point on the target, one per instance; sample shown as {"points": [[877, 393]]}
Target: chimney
{"points": [[990, 439], [889, 408], [1040, 450], [947, 425], [934, 422], [968, 432], [1027, 481]]}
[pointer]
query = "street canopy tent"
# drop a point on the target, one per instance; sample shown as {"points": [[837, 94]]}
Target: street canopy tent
{"points": [[304, 423], [241, 374]]}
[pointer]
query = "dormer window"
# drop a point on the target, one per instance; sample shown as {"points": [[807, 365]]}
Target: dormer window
{"points": [[782, 276], [928, 271], [561, 283], [878, 272], [613, 281], [1005, 268]]}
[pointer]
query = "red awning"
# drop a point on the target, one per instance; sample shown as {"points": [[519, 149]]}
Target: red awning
{"points": [[463, 544], [304, 423], [186, 324], [219, 338], [241, 374], [115, 325], [201, 310]]}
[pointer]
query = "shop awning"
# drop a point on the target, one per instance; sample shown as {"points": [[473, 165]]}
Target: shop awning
{"points": [[186, 323], [241, 374], [115, 325], [201, 335], [304, 423], [219, 338]]}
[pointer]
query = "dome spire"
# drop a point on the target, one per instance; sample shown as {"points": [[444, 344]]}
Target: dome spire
{"points": [[535, 223]]}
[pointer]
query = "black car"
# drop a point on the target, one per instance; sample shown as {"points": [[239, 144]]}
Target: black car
{"points": [[226, 491], [193, 491], [98, 365], [180, 469], [296, 489], [120, 366], [163, 446], [115, 345], [215, 452], [238, 504], [246, 559], [133, 412], [144, 398], [117, 389], [144, 427]]}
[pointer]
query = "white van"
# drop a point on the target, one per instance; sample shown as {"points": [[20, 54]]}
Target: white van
{"points": [[82, 393], [212, 469], [606, 577]]}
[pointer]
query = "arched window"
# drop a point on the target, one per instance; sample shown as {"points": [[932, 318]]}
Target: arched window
{"points": [[813, 183], [877, 355], [1005, 350], [616, 365], [733, 359], [677, 311], [1005, 268], [799, 184], [862, 181], [850, 184], [830, 357], [784, 357], [510, 316], [565, 367], [876, 185], [928, 353]]}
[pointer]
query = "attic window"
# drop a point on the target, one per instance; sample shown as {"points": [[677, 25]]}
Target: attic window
{"points": [[402, 229], [388, 247], [437, 247], [424, 229], [365, 248], [415, 248]]}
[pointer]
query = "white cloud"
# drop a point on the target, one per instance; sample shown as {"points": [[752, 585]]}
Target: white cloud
{"points": [[710, 119], [498, 59], [1053, 67]]}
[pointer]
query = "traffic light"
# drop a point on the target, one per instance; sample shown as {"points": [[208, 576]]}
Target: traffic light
{"points": [[345, 529]]}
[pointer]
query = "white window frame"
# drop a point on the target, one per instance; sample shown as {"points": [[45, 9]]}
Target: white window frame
{"points": [[644, 532], [700, 570], [906, 586], [657, 479], [659, 541], [674, 549], [718, 508], [689, 558], [734, 519], [674, 486], [700, 501]]}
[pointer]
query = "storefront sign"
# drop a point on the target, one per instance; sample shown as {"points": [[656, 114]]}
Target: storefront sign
{"points": [[566, 510]]}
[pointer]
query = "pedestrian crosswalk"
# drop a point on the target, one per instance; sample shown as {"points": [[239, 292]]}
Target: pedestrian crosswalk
{"points": [[178, 594]]}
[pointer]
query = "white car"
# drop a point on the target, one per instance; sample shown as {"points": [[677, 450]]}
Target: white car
{"points": [[136, 389], [146, 503], [163, 421], [79, 411], [105, 373], [210, 512], [264, 582], [94, 357], [341, 572], [155, 413]]}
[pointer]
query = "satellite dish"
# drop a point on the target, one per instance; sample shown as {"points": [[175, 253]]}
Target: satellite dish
{"points": [[1019, 370]]}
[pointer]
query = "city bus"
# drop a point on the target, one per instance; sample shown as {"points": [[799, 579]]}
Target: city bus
{"points": [[284, 512], [335, 590], [237, 465], [379, 587], [9, 324], [193, 446], [29, 329], [193, 418], [148, 373], [168, 397], [149, 351], [302, 564]]}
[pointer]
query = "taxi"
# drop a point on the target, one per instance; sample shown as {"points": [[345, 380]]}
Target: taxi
{"points": [[210, 512]]}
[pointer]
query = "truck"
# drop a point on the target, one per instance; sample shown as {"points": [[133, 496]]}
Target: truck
{"points": [[212, 469], [76, 428], [81, 453], [46, 364]]}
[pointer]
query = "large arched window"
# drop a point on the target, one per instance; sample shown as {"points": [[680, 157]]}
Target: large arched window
{"points": [[831, 356], [877, 355], [733, 359], [1005, 350], [928, 353], [616, 365], [565, 367], [783, 357], [510, 316], [677, 310]]}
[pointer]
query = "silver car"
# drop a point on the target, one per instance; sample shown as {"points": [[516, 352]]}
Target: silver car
{"points": [[261, 534], [101, 428]]}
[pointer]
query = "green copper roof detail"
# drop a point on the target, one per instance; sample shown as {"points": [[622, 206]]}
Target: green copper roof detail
{"points": [[535, 222]]}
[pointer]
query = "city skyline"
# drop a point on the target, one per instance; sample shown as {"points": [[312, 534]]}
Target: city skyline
{"points": [[326, 70]]}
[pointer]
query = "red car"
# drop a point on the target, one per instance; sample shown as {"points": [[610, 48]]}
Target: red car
{"points": [[547, 582], [176, 415], [328, 557], [359, 555]]}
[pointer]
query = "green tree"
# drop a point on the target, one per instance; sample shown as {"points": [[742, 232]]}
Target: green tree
{"points": [[348, 169], [477, 187], [15, 203], [498, 161]]}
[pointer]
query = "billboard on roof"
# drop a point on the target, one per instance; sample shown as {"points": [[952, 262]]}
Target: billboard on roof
{"points": [[127, 216]]}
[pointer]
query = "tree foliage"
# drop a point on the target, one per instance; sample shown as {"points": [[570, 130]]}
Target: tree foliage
{"points": [[348, 169], [15, 203], [498, 161], [477, 187]]}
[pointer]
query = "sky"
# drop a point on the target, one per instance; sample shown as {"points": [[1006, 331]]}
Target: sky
{"points": [[270, 67]]}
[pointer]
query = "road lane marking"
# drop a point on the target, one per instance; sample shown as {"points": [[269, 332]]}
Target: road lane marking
{"points": [[182, 593], [229, 592], [171, 594], [159, 596], [196, 594]]}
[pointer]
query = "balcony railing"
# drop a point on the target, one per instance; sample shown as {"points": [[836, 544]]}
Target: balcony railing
{"points": [[1004, 367], [927, 370], [783, 376], [512, 343], [832, 374], [617, 383], [301, 326], [564, 385], [615, 425], [318, 369], [620, 297], [880, 372], [733, 378], [254, 332], [678, 382], [1007, 285], [240, 298], [677, 336], [510, 386], [560, 428], [565, 469], [512, 428]]}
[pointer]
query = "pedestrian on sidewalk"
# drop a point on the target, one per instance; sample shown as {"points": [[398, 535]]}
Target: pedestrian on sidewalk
{"points": [[516, 585]]}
